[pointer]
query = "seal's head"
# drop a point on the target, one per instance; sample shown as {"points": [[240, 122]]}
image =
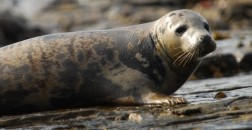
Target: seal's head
{"points": [[184, 36]]}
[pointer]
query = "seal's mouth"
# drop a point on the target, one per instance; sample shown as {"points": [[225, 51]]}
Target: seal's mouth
{"points": [[196, 52]]}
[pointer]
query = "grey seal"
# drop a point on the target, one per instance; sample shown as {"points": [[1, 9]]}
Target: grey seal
{"points": [[141, 64]]}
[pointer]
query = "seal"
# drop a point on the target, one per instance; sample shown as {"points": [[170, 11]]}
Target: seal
{"points": [[141, 64]]}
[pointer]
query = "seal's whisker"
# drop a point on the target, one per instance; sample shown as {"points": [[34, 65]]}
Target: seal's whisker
{"points": [[180, 57], [215, 56], [184, 59], [181, 61], [187, 58], [192, 55], [177, 59], [175, 48], [218, 53], [178, 53]]}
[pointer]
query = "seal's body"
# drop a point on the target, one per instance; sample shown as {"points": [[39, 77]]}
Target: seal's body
{"points": [[141, 64]]}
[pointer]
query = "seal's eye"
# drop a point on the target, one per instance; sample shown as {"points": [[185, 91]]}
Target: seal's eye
{"points": [[180, 30], [206, 26]]}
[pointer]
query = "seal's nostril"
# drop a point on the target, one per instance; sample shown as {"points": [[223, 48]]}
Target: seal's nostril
{"points": [[205, 38]]}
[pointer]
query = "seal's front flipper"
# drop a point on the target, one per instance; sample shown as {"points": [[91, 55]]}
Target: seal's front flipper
{"points": [[155, 98], [151, 99]]}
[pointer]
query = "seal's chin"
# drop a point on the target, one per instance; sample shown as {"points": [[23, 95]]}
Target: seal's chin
{"points": [[206, 48]]}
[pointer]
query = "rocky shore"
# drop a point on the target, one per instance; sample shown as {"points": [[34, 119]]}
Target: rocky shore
{"points": [[219, 92]]}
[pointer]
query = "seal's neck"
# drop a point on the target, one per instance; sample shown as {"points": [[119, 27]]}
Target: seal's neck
{"points": [[160, 49], [176, 74]]}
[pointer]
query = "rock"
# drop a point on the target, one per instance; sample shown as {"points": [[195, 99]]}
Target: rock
{"points": [[135, 117], [217, 66], [14, 29], [220, 35], [220, 95], [222, 15], [188, 111], [246, 63]]}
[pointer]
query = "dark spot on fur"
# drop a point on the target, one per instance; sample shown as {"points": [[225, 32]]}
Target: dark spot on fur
{"points": [[116, 66], [154, 38], [102, 50], [166, 23], [163, 30], [32, 63], [46, 63], [160, 29], [21, 72], [80, 56], [70, 47], [60, 56], [110, 54], [180, 15], [70, 77], [23, 69], [103, 61], [92, 70], [89, 54], [172, 14]]}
